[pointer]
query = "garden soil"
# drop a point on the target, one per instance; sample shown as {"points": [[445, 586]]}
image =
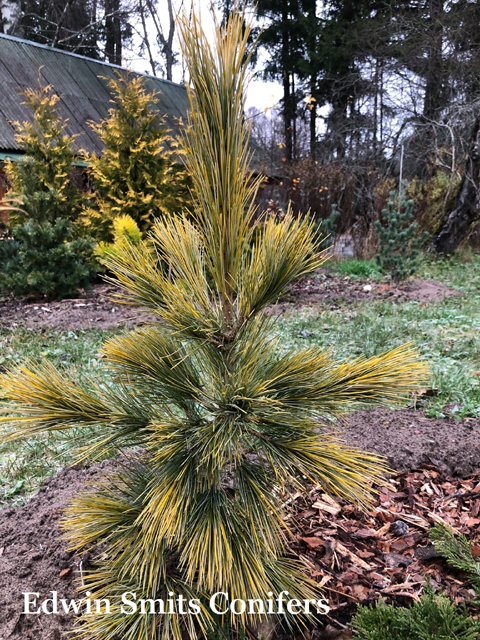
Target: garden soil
{"points": [[96, 309], [328, 288]]}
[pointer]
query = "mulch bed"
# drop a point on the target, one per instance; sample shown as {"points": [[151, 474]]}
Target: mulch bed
{"points": [[356, 556], [360, 557]]}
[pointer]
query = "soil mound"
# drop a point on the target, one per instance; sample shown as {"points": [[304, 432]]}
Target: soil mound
{"points": [[408, 439], [32, 559], [330, 287]]}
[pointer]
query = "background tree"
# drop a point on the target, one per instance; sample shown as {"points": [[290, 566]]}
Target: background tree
{"points": [[219, 421], [135, 175], [44, 257], [110, 30]]}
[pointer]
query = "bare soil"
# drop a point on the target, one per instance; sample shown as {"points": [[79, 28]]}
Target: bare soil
{"points": [[33, 559], [97, 310], [91, 310], [326, 287], [408, 439]]}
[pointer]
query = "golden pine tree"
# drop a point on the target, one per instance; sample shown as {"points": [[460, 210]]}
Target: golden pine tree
{"points": [[218, 422]]}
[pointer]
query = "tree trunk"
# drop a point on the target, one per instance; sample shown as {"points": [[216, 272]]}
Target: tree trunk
{"points": [[287, 94], [113, 32], [464, 213]]}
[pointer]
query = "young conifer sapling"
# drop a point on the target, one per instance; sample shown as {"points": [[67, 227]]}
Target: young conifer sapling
{"points": [[217, 420]]}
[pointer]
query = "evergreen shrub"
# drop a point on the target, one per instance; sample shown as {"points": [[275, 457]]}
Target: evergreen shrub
{"points": [[45, 256], [135, 175], [398, 251], [435, 616]]}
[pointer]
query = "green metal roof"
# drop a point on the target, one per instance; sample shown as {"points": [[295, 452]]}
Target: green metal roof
{"points": [[79, 82]]}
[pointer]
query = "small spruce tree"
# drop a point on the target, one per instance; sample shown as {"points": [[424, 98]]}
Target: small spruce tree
{"points": [[399, 244], [135, 174], [44, 257], [218, 421]]}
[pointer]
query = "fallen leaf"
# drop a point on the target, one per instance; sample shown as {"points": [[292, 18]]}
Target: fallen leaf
{"points": [[313, 542], [64, 572]]}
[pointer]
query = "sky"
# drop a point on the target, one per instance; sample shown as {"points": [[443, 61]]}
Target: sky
{"points": [[262, 95]]}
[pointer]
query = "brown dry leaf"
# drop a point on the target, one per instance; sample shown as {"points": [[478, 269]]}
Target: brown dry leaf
{"points": [[64, 572], [313, 542], [365, 533], [476, 551]]}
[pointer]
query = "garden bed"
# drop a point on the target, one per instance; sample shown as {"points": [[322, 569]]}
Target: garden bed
{"points": [[96, 309], [92, 310], [357, 557], [327, 287]]}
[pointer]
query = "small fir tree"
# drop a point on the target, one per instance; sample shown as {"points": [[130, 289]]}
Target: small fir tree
{"points": [[135, 175], [399, 244], [44, 257], [219, 421]]}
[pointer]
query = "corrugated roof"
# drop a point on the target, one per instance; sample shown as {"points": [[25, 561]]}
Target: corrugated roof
{"points": [[77, 80]]}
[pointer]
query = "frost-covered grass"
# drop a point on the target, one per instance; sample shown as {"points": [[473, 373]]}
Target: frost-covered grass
{"points": [[447, 334]]}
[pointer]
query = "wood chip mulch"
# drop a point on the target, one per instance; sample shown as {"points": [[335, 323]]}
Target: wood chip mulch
{"points": [[360, 557]]}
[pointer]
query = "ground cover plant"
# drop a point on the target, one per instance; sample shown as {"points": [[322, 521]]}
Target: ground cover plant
{"points": [[434, 616], [222, 422]]}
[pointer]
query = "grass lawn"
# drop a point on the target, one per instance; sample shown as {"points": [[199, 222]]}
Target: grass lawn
{"points": [[447, 334]]}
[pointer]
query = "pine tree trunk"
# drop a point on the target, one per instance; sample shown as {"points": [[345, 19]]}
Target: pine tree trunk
{"points": [[464, 213]]}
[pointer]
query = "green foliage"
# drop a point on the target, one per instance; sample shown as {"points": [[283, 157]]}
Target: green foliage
{"points": [[135, 175], [435, 616], [41, 188], [458, 552], [398, 251], [326, 228], [358, 268], [219, 421], [125, 231], [44, 257]]}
